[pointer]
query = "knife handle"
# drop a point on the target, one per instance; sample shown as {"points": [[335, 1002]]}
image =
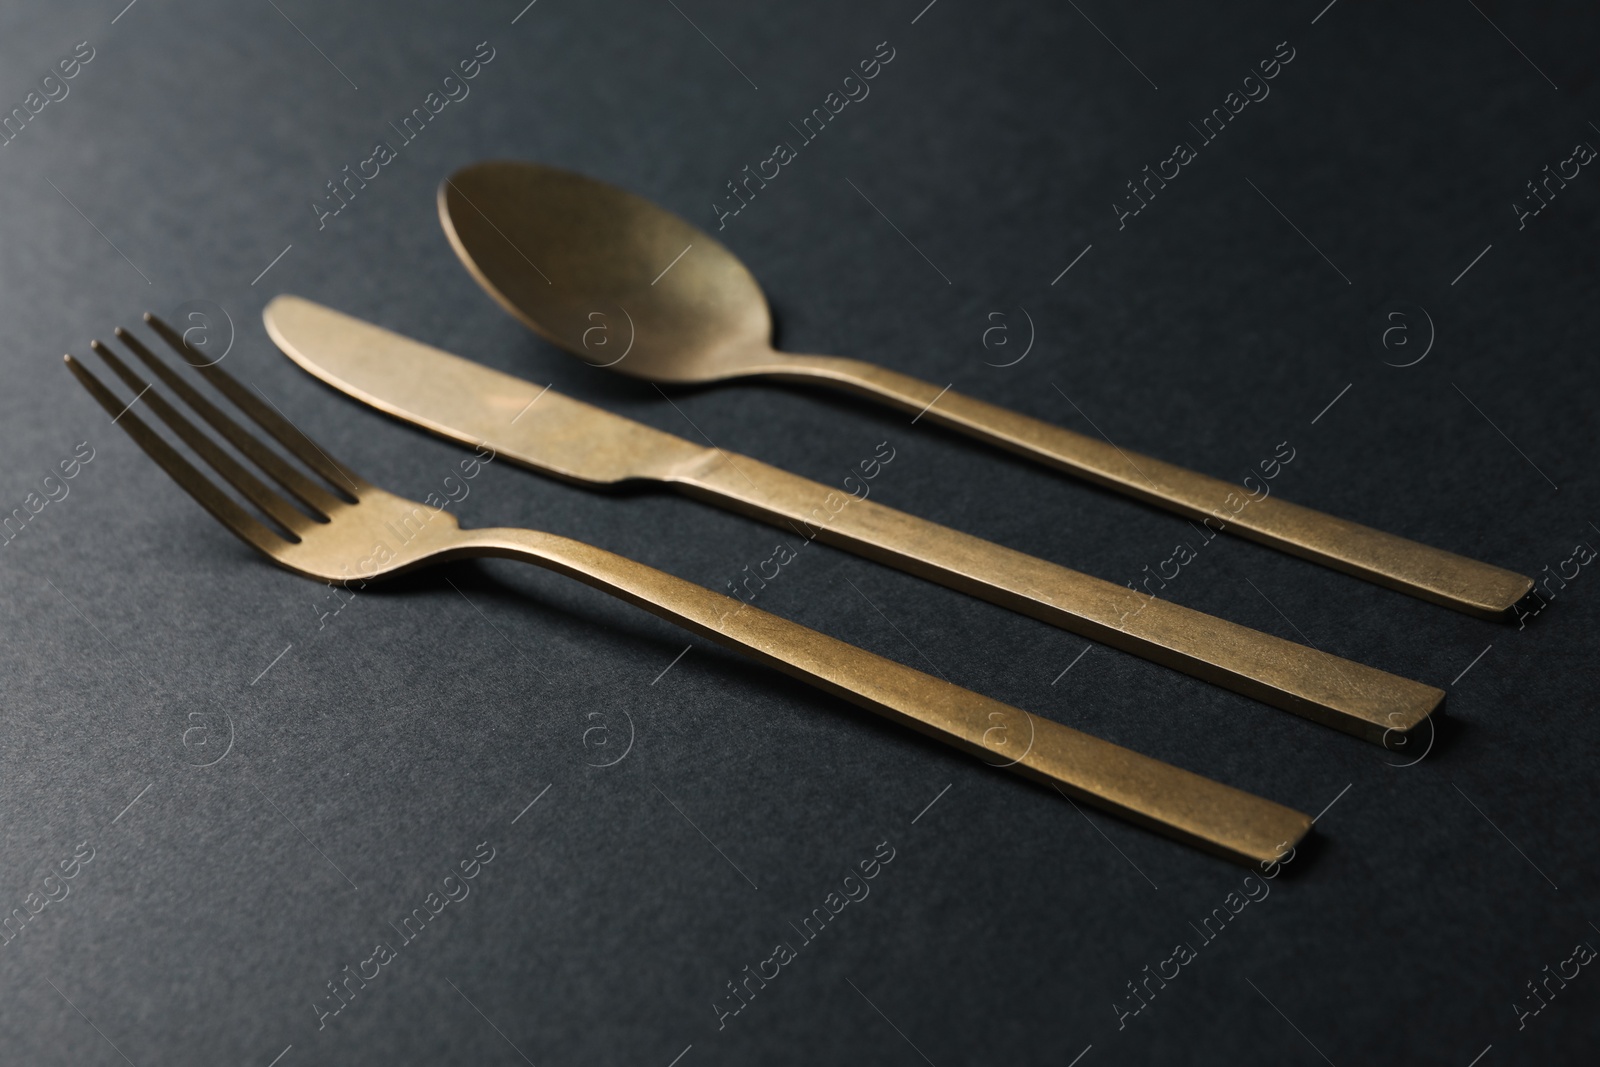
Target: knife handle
{"points": [[1431, 574], [1228, 822], [1364, 701]]}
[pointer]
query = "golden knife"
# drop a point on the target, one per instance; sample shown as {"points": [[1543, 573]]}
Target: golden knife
{"points": [[557, 435]]}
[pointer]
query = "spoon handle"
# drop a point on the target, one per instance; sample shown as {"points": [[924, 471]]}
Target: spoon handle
{"points": [[1361, 700], [1218, 818], [1429, 573]]}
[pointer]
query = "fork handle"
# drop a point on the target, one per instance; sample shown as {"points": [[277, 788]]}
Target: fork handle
{"points": [[1362, 700], [1432, 574], [1236, 825]]}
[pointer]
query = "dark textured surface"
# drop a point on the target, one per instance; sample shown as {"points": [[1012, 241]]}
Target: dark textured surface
{"points": [[381, 748]]}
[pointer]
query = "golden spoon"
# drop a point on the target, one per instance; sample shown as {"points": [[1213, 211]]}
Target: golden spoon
{"points": [[622, 283]]}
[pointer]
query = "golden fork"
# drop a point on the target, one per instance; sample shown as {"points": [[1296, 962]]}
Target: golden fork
{"points": [[345, 529]]}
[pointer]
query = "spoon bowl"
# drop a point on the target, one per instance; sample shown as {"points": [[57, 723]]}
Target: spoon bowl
{"points": [[607, 275]]}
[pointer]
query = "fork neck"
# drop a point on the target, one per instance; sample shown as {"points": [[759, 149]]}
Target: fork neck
{"points": [[698, 609]]}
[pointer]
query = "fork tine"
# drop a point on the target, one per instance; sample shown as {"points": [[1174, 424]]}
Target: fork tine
{"points": [[268, 418], [197, 485], [319, 500], [232, 471]]}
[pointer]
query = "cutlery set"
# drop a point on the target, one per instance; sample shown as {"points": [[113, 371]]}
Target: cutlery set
{"points": [[554, 248]]}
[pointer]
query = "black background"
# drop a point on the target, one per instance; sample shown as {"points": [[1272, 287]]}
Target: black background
{"points": [[380, 748]]}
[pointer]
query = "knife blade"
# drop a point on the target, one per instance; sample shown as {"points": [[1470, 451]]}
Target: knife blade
{"points": [[473, 404]]}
